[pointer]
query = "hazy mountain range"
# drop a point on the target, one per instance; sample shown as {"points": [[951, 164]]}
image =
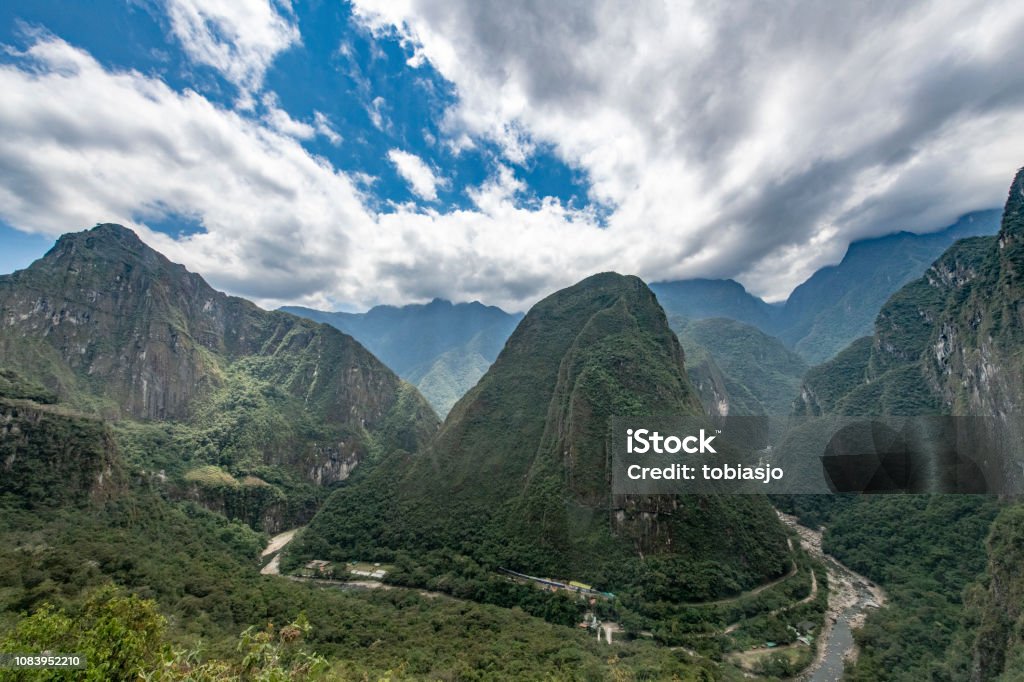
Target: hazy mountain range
{"points": [[444, 348], [838, 303], [440, 347]]}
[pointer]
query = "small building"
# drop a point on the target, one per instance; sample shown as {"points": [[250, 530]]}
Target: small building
{"points": [[316, 568], [805, 627]]}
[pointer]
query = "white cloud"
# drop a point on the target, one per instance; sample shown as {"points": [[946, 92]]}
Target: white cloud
{"points": [[82, 144], [727, 140], [324, 127], [375, 109], [279, 119], [417, 173], [239, 38], [727, 137]]}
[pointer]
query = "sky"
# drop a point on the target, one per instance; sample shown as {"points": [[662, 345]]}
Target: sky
{"points": [[340, 155]]}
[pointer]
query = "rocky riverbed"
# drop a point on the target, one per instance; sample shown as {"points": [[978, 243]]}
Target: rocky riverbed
{"points": [[851, 596]]}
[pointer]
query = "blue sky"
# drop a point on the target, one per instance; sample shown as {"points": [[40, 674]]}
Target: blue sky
{"points": [[360, 83], [341, 155]]}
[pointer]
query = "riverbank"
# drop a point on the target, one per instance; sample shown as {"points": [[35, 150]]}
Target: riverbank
{"points": [[851, 596]]}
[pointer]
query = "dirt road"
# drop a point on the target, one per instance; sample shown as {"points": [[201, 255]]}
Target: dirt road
{"points": [[276, 544]]}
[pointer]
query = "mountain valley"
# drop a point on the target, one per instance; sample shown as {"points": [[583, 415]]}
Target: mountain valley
{"points": [[139, 404]]}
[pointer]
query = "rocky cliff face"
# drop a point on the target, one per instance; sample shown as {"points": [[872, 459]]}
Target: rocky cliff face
{"points": [[50, 456], [116, 330], [950, 343], [749, 371], [976, 347], [149, 336], [709, 383]]}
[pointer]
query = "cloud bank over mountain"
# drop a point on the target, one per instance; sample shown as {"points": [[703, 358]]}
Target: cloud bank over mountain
{"points": [[746, 141]]}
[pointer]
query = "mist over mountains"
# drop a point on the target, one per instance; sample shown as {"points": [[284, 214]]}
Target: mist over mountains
{"points": [[838, 303]]}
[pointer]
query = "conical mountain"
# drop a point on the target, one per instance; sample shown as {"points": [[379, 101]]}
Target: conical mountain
{"points": [[519, 475]]}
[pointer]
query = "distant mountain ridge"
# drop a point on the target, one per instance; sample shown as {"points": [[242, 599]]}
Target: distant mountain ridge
{"points": [[700, 299], [442, 348], [738, 369], [838, 303]]}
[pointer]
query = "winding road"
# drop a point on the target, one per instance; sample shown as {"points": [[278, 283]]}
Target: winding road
{"points": [[850, 597]]}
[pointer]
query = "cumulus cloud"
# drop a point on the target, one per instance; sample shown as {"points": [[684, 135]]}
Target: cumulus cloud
{"points": [[730, 137], [417, 173], [744, 140], [239, 38], [84, 144]]}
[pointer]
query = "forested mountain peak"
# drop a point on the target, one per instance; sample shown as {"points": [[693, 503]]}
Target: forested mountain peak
{"points": [[519, 475]]}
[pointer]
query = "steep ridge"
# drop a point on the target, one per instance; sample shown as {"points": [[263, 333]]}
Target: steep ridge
{"points": [[198, 379], [519, 475], [947, 343], [698, 299], [838, 303]]}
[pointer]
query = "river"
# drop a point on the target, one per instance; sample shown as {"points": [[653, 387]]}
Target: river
{"points": [[850, 597]]}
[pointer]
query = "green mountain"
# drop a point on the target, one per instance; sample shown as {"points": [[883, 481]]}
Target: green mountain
{"points": [[738, 369], [440, 347], [94, 559], [81, 507], [947, 343], [519, 474], [51, 455], [245, 410], [838, 303]]}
